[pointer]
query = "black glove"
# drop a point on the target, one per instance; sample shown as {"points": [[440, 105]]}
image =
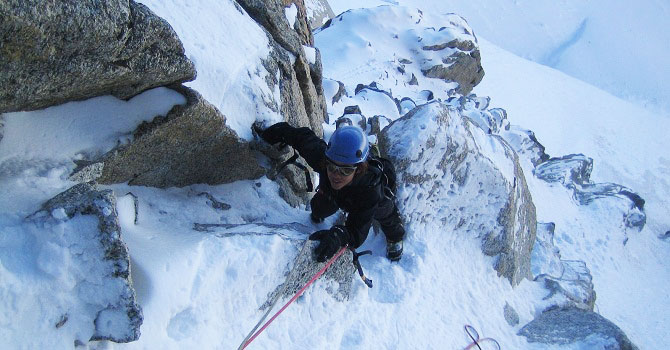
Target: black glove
{"points": [[275, 133], [330, 241]]}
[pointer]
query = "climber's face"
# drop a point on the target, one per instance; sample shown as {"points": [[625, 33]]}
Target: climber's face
{"points": [[340, 175]]}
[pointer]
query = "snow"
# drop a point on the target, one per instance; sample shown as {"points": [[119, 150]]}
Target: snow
{"points": [[231, 75], [203, 289], [310, 53], [291, 14], [620, 46]]}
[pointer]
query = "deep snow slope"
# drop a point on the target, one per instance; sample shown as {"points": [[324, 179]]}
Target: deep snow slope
{"points": [[618, 46]]}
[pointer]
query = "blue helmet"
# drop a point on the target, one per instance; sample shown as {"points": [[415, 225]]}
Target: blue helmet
{"points": [[348, 145]]}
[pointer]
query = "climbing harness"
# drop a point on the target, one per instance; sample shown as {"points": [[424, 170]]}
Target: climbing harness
{"points": [[250, 338], [294, 160], [387, 175], [478, 342]]}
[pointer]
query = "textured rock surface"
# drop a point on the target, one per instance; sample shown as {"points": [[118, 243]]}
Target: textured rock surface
{"points": [[56, 52], [271, 16], [463, 66], [298, 80], [192, 144], [575, 326], [305, 267], [511, 316], [117, 315], [469, 182]]}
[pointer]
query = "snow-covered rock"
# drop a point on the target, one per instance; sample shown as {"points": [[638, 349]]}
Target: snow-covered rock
{"points": [[569, 282], [191, 144], [76, 50], [469, 182], [574, 172], [295, 73], [318, 12], [419, 46], [271, 15], [83, 276], [582, 329], [574, 287]]}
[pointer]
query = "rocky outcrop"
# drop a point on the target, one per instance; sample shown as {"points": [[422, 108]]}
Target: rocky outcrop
{"points": [[191, 144], [300, 83], [574, 172], [108, 290], [294, 68], [61, 51], [569, 281], [318, 12], [460, 61], [586, 329], [302, 100], [423, 50], [271, 15], [470, 183]]}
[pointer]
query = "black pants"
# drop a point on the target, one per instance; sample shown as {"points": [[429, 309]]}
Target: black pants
{"points": [[386, 214]]}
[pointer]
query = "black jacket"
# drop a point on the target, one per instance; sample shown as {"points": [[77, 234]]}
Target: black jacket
{"points": [[359, 199]]}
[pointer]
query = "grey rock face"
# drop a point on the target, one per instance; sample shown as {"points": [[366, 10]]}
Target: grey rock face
{"points": [[341, 91], [304, 267], [524, 142], [511, 316], [575, 326], [54, 52], [117, 320], [377, 123], [464, 189], [2, 127], [270, 15], [463, 66], [299, 81], [192, 144]]}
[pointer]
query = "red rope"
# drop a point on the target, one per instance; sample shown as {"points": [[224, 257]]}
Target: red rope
{"points": [[318, 274]]}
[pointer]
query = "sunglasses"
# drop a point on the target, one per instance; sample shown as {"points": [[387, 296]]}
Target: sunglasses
{"points": [[338, 169]]}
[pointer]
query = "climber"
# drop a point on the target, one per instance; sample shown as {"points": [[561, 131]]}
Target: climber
{"points": [[347, 181]]}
